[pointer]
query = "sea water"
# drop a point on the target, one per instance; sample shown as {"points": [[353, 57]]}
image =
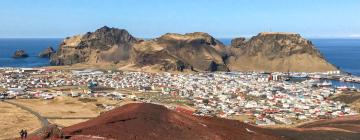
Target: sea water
{"points": [[344, 53], [31, 46]]}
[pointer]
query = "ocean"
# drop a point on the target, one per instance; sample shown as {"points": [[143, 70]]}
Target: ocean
{"points": [[344, 53], [31, 46]]}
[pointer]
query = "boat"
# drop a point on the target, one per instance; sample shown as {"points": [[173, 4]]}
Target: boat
{"points": [[342, 88], [316, 77], [325, 84]]}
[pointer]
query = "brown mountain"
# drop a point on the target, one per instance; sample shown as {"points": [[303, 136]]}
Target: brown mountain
{"points": [[276, 52], [104, 45], [192, 51]]}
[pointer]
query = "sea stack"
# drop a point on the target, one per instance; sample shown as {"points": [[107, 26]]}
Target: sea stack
{"points": [[47, 52], [20, 54], [277, 51]]}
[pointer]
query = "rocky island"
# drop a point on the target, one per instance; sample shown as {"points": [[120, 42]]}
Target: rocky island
{"points": [[20, 54], [192, 51], [47, 52]]}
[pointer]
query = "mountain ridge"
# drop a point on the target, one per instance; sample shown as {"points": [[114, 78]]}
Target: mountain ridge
{"points": [[198, 51]]}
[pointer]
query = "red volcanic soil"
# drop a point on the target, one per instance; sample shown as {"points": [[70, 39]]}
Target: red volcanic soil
{"points": [[346, 124], [342, 128], [142, 121]]}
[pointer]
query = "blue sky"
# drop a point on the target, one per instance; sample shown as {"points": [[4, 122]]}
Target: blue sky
{"points": [[152, 18]]}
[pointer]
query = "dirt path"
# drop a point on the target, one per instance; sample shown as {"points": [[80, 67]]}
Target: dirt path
{"points": [[43, 120], [13, 119]]}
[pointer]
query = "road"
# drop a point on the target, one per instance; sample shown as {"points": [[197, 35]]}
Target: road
{"points": [[44, 121]]}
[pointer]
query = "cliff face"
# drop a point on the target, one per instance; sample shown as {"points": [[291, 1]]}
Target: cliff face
{"points": [[20, 54], [193, 51], [47, 52], [277, 52], [170, 52], [104, 45]]}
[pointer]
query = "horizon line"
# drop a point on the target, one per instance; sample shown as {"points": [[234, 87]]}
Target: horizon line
{"points": [[246, 36]]}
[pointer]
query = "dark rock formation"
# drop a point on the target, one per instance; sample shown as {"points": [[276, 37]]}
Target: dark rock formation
{"points": [[50, 132], [47, 52], [154, 122], [192, 51], [238, 42], [277, 52], [20, 54]]}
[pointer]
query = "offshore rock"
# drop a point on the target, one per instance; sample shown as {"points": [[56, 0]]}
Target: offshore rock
{"points": [[20, 54], [47, 52]]}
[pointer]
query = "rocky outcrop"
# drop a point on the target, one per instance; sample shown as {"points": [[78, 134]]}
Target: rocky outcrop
{"points": [[238, 42], [47, 52], [20, 54], [170, 52], [192, 51], [277, 52], [51, 131], [104, 45]]}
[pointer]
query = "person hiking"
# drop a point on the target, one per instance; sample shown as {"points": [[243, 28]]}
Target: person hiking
{"points": [[22, 133], [25, 134]]}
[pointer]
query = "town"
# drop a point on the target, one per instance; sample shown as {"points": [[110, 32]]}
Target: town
{"points": [[258, 98]]}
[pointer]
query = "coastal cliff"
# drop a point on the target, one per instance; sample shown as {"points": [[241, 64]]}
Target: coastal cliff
{"points": [[276, 51], [170, 52], [192, 51], [104, 45]]}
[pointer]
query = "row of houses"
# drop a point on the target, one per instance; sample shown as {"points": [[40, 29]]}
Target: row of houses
{"points": [[268, 97]]}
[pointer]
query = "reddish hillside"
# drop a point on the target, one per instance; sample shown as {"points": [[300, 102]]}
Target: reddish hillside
{"points": [[345, 124], [342, 128], [155, 122]]}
